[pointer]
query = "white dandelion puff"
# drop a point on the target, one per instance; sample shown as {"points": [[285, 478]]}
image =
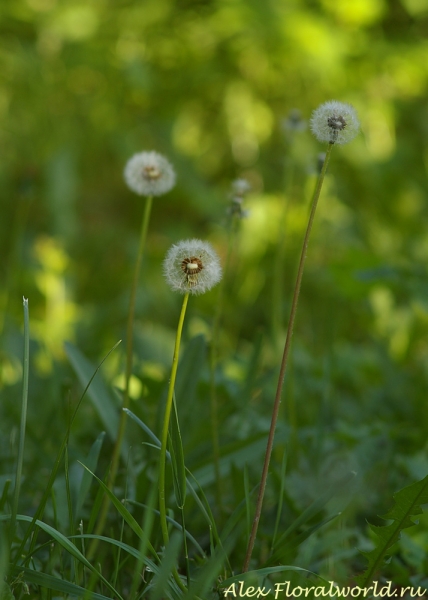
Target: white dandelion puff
{"points": [[149, 174], [335, 122], [192, 266]]}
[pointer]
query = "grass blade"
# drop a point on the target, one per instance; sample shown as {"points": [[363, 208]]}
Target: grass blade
{"points": [[54, 471], [54, 583], [129, 519], [91, 461], [24, 404], [68, 546]]}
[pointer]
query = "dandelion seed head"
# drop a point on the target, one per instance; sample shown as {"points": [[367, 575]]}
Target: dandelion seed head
{"points": [[149, 174], [192, 266], [335, 122]]}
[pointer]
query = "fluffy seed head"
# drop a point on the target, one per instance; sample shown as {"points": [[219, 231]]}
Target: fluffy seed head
{"points": [[149, 174], [192, 266], [335, 122]]}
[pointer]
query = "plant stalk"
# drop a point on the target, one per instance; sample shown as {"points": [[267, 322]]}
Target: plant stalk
{"points": [[286, 352], [164, 438], [128, 373]]}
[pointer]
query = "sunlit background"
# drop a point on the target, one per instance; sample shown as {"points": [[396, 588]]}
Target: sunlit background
{"points": [[211, 84]]}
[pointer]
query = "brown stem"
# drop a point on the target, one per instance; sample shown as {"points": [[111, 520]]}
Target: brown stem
{"points": [[278, 394]]}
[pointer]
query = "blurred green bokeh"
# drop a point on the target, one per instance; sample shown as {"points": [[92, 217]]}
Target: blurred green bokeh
{"points": [[209, 83]]}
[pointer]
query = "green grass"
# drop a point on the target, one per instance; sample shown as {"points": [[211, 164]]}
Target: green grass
{"points": [[209, 85]]}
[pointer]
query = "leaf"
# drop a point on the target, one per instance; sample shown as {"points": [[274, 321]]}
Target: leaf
{"points": [[191, 362], [92, 461], [53, 583], [177, 458], [169, 560], [408, 503], [68, 547], [123, 512], [309, 513], [98, 393]]}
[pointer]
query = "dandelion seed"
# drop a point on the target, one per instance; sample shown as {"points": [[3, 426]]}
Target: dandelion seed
{"points": [[149, 174], [335, 122], [192, 266]]}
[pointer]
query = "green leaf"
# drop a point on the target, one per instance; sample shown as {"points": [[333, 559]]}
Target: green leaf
{"points": [[177, 458], [124, 512], [164, 575], [91, 461], [408, 503], [67, 545], [98, 392], [294, 534], [53, 583], [192, 361]]}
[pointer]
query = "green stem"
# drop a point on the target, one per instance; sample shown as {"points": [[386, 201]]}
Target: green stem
{"points": [[24, 404], [164, 438], [129, 351], [287, 346]]}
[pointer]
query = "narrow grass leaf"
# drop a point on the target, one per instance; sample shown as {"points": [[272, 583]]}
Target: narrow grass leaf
{"points": [[162, 579], [24, 403], [315, 507], [129, 519], [173, 522], [149, 514], [47, 492], [192, 361], [3, 498], [92, 462], [238, 454], [54, 583], [177, 458], [295, 541], [68, 546], [281, 497], [98, 392], [207, 575], [205, 509]]}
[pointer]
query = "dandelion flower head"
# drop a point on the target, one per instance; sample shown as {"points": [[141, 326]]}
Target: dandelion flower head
{"points": [[192, 266], [149, 174], [335, 122]]}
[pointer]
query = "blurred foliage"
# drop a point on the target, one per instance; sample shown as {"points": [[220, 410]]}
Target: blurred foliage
{"points": [[210, 83]]}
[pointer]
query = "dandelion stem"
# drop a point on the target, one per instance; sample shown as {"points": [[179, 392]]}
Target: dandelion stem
{"points": [[164, 438], [129, 351], [284, 363]]}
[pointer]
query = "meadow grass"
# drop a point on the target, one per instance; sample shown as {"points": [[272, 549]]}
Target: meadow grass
{"points": [[172, 506]]}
